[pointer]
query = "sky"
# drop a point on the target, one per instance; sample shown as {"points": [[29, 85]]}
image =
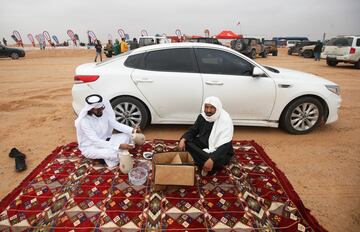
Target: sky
{"points": [[311, 18]]}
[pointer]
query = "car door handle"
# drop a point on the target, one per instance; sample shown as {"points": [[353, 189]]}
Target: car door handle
{"points": [[214, 83], [284, 86], [143, 80]]}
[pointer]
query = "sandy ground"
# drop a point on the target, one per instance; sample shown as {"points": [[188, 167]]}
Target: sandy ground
{"points": [[323, 167]]}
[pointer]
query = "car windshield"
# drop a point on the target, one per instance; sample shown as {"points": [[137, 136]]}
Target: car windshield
{"points": [[246, 41], [269, 42], [343, 41]]}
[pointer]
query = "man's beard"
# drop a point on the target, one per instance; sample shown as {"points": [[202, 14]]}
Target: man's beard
{"points": [[98, 114]]}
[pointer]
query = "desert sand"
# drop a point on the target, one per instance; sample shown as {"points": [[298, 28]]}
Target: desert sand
{"points": [[323, 166]]}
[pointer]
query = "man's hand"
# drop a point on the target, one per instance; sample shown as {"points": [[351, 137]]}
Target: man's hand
{"points": [[126, 146], [208, 166], [181, 145]]}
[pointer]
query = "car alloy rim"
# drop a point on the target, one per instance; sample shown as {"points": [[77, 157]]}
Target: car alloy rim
{"points": [[128, 113], [304, 116]]}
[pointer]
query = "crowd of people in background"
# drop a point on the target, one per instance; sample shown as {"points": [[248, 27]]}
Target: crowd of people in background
{"points": [[115, 49]]}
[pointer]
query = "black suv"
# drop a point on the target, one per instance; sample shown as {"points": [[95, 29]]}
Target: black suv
{"points": [[14, 53], [205, 40], [298, 46], [250, 47]]}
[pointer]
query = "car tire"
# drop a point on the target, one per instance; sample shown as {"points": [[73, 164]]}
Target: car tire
{"points": [[357, 64], [14, 56], [275, 53], [289, 52], [264, 54], [302, 115], [238, 45], [131, 111], [331, 63], [253, 54], [308, 54]]}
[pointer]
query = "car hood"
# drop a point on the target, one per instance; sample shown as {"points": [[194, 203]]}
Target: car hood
{"points": [[293, 75]]}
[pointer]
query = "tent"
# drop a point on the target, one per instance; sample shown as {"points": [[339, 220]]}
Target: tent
{"points": [[228, 35]]}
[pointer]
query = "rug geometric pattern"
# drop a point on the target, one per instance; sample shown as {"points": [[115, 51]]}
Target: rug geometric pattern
{"points": [[68, 192]]}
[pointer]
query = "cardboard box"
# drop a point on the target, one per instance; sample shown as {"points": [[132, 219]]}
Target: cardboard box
{"points": [[173, 168]]}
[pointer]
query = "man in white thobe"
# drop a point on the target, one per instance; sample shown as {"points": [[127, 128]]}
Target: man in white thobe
{"points": [[94, 127]]}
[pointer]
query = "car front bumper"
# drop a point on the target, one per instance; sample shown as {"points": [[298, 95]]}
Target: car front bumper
{"points": [[334, 104]]}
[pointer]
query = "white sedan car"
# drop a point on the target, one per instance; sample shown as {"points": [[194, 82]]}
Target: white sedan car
{"points": [[167, 83]]}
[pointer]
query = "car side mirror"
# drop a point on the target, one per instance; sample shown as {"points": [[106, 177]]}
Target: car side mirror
{"points": [[257, 72]]}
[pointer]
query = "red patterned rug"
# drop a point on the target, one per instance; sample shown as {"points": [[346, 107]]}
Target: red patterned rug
{"points": [[69, 192]]}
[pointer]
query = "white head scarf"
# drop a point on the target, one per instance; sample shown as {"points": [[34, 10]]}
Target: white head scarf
{"points": [[93, 101], [223, 129]]}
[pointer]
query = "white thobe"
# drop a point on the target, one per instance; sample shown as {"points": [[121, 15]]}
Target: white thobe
{"points": [[93, 132]]}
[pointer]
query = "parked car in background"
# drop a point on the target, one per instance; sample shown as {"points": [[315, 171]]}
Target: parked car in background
{"points": [[271, 47], [282, 41], [167, 83], [344, 49], [296, 49], [13, 53], [307, 51], [250, 47], [150, 40], [205, 40], [291, 43]]}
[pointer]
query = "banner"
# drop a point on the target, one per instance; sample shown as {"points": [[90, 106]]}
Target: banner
{"points": [[18, 40], [42, 38], [55, 38], [144, 32], [121, 32], [31, 38], [72, 36], [38, 38], [14, 38], [92, 36], [178, 33], [207, 33], [48, 37]]}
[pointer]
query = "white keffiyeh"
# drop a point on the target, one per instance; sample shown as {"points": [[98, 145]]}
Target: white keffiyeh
{"points": [[223, 129]]}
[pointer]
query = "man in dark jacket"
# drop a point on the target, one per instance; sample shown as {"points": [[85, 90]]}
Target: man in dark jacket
{"points": [[317, 50], [98, 48], [209, 140]]}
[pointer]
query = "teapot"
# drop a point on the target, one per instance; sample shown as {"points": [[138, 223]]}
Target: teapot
{"points": [[126, 162]]}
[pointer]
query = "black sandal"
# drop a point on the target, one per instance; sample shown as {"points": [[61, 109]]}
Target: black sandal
{"points": [[20, 164], [14, 153]]}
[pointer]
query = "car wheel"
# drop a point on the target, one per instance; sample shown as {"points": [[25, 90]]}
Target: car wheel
{"points": [[238, 45], [275, 53], [332, 63], [14, 56], [308, 54], [289, 52], [264, 54], [130, 111], [357, 64], [253, 54], [302, 115]]}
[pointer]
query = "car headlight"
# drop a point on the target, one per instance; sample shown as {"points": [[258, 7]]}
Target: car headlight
{"points": [[334, 88]]}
